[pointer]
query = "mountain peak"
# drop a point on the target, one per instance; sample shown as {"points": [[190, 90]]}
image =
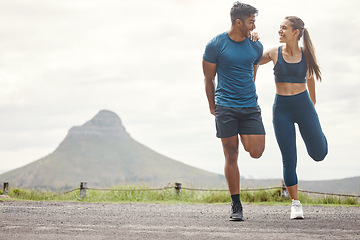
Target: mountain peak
{"points": [[104, 124], [103, 154], [105, 118]]}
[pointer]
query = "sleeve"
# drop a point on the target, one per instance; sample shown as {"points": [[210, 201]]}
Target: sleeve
{"points": [[260, 50], [210, 54]]}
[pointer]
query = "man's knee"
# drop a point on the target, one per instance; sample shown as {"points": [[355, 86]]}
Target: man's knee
{"points": [[254, 145], [257, 152], [231, 153], [231, 148]]}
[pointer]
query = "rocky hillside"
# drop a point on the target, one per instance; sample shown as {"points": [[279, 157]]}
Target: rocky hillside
{"points": [[102, 153]]}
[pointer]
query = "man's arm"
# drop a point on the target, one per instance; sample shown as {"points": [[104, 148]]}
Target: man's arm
{"points": [[209, 70]]}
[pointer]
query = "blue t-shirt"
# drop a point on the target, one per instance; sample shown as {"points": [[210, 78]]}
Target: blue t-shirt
{"points": [[235, 69]]}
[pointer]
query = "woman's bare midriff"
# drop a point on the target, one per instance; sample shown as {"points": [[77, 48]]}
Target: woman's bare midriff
{"points": [[289, 89]]}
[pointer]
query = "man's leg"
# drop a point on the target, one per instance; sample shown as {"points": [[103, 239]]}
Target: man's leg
{"points": [[254, 144], [231, 152], [232, 175]]}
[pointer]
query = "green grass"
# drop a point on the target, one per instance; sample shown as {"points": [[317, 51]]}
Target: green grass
{"points": [[328, 200], [132, 193]]}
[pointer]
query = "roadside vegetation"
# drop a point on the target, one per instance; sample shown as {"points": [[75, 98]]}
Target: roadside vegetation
{"points": [[144, 194]]}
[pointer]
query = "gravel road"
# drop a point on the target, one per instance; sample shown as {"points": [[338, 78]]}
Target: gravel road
{"points": [[65, 220]]}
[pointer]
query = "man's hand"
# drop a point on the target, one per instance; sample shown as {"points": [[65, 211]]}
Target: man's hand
{"points": [[212, 111]]}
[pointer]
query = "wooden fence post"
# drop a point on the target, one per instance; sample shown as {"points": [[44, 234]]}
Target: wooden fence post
{"points": [[5, 188], [284, 192], [83, 189], [178, 188]]}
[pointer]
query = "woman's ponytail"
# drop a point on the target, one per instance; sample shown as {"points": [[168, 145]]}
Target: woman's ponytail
{"points": [[312, 63], [313, 66]]}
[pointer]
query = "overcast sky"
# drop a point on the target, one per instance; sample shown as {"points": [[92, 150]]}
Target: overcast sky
{"points": [[61, 62]]}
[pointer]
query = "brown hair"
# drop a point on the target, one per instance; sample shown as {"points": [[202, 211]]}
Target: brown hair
{"points": [[313, 66], [241, 11]]}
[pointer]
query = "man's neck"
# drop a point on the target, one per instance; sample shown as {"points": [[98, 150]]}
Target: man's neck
{"points": [[236, 35]]}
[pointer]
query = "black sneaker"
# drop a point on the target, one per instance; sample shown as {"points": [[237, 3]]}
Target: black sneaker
{"points": [[236, 212]]}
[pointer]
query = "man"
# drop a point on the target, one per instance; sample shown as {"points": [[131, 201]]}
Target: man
{"points": [[235, 58]]}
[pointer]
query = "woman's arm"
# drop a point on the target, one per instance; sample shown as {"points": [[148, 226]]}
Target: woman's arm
{"points": [[311, 88], [269, 55]]}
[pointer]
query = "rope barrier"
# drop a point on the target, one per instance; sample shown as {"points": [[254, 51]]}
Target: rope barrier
{"points": [[210, 190], [139, 189], [224, 190], [72, 190], [178, 188]]}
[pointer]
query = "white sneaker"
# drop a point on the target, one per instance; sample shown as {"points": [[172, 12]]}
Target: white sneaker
{"points": [[296, 210]]}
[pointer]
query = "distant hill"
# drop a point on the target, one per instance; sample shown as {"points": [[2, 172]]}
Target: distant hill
{"points": [[344, 186], [102, 153]]}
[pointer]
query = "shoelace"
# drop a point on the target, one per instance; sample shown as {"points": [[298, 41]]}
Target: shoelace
{"points": [[296, 204], [297, 207], [234, 208]]}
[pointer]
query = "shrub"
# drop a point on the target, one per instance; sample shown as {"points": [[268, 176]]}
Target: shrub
{"points": [[16, 192], [351, 201]]}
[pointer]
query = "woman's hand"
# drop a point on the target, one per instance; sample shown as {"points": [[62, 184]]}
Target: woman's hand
{"points": [[254, 37]]}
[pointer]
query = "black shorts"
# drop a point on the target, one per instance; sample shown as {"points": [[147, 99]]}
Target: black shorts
{"points": [[231, 121]]}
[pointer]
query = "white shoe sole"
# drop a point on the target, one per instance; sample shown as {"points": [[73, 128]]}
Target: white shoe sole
{"points": [[297, 217]]}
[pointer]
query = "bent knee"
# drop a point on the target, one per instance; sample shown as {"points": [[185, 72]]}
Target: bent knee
{"points": [[257, 153], [319, 156], [319, 153], [254, 144]]}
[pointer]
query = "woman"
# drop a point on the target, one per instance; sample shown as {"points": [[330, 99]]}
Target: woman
{"points": [[294, 70]]}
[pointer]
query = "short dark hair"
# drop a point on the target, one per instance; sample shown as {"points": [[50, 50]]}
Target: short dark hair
{"points": [[241, 11]]}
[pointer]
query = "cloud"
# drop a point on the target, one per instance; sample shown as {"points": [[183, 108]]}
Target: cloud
{"points": [[61, 62]]}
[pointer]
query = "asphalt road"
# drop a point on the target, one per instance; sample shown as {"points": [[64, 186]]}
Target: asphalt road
{"points": [[64, 220]]}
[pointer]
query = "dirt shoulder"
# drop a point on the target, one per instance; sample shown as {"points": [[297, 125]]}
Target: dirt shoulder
{"points": [[64, 220]]}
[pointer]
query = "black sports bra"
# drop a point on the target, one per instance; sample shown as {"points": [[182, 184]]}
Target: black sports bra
{"points": [[290, 72]]}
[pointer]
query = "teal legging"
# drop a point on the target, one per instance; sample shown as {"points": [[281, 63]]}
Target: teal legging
{"points": [[287, 111]]}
